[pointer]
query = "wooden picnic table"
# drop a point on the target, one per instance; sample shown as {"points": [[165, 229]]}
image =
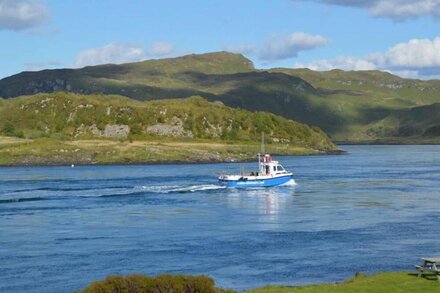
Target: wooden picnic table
{"points": [[429, 266]]}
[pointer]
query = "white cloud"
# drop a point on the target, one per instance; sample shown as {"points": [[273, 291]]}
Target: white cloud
{"points": [[121, 53], [288, 46], [397, 10], [279, 47], [341, 62], [22, 14], [415, 58], [417, 53]]}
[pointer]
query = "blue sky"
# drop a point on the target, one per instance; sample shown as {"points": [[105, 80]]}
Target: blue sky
{"points": [[400, 36]]}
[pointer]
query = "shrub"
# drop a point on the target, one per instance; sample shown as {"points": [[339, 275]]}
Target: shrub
{"points": [[8, 129], [159, 284]]}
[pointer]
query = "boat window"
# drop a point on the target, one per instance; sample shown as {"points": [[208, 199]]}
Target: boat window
{"points": [[274, 168], [280, 168]]}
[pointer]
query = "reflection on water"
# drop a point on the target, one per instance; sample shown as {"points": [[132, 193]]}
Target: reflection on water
{"points": [[368, 209], [265, 201]]}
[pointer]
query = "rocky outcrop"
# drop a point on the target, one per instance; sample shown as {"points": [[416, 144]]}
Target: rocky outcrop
{"points": [[116, 130], [174, 129], [110, 131]]}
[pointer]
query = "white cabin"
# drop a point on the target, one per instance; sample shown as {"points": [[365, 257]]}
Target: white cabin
{"points": [[268, 167]]}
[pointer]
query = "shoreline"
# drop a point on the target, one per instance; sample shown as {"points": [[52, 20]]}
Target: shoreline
{"points": [[55, 152], [164, 162], [389, 142]]}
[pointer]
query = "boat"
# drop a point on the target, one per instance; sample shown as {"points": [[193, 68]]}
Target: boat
{"points": [[270, 173]]}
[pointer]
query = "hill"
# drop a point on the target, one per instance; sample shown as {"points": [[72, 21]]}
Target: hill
{"points": [[417, 123], [65, 127], [341, 103], [377, 106]]}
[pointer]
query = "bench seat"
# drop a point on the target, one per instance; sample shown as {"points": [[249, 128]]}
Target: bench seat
{"points": [[425, 270]]}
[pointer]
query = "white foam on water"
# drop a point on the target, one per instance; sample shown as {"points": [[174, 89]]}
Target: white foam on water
{"points": [[103, 192], [157, 188], [180, 188], [194, 188], [291, 182]]}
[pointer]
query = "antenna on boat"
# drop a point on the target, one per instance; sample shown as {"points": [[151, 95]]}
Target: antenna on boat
{"points": [[261, 153]]}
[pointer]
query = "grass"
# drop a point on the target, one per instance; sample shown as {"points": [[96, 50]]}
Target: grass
{"points": [[384, 282], [8, 140]]}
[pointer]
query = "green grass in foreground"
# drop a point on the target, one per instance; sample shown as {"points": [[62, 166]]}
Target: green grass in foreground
{"points": [[384, 282]]}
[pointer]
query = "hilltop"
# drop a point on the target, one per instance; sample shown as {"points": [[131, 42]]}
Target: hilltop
{"points": [[348, 105], [61, 128]]}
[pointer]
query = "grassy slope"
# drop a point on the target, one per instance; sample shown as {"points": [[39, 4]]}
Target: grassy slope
{"points": [[384, 282], [372, 100], [147, 80], [57, 131], [341, 103]]}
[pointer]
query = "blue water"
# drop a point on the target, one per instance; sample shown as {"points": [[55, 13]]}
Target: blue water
{"points": [[375, 209]]}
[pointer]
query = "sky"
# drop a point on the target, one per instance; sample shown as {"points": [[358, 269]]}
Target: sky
{"points": [[398, 36]]}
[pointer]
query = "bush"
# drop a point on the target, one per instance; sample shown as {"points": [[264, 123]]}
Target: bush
{"points": [[159, 284], [10, 130]]}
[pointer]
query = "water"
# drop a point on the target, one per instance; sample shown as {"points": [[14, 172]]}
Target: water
{"points": [[375, 209]]}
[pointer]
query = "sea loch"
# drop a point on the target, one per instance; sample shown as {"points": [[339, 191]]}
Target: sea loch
{"points": [[375, 209]]}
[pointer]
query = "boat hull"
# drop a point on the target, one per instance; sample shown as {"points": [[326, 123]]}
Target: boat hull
{"points": [[245, 182]]}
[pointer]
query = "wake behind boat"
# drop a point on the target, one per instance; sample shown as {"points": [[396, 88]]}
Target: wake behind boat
{"points": [[270, 173]]}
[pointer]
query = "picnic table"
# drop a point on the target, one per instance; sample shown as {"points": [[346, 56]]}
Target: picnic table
{"points": [[429, 267]]}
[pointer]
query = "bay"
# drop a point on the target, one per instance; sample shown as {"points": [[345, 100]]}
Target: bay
{"points": [[375, 209]]}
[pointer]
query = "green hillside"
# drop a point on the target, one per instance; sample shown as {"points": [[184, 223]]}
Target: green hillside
{"points": [[153, 79], [417, 123], [343, 104], [65, 127], [377, 105]]}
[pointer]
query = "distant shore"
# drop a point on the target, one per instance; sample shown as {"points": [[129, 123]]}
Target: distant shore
{"points": [[52, 152], [402, 141]]}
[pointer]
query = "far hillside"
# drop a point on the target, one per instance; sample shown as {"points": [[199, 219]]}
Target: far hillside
{"points": [[342, 103]]}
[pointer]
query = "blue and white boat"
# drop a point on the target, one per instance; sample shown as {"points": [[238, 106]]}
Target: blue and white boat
{"points": [[270, 173]]}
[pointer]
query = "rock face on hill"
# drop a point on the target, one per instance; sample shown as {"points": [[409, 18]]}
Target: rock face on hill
{"points": [[174, 128], [344, 104], [109, 131]]}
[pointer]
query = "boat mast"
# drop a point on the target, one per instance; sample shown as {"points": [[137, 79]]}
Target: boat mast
{"points": [[260, 164]]}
